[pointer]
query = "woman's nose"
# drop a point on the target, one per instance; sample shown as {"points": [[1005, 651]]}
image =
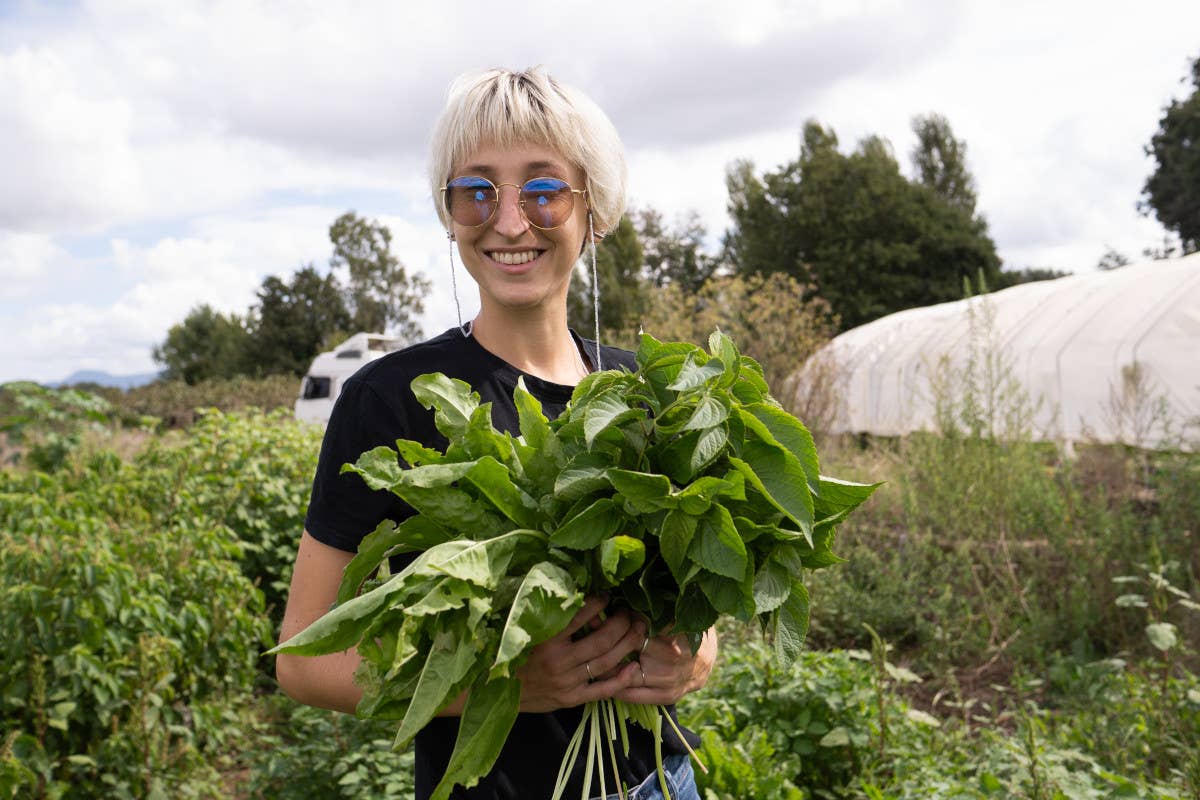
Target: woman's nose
{"points": [[510, 220]]}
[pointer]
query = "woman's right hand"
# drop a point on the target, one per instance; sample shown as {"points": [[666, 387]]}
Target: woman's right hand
{"points": [[564, 671]]}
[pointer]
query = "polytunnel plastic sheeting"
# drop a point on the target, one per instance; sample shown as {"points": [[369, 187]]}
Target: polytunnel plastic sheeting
{"points": [[1066, 342]]}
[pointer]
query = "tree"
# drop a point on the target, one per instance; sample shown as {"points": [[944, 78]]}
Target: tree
{"points": [[674, 255], [206, 345], [622, 289], [295, 321], [940, 162], [870, 241], [1112, 259], [1172, 191], [1011, 277], [380, 293]]}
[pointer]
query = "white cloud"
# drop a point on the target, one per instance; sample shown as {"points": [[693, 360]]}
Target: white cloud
{"points": [[26, 261], [212, 142]]}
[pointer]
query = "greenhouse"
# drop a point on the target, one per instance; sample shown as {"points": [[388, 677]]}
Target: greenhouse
{"points": [[1108, 356]]}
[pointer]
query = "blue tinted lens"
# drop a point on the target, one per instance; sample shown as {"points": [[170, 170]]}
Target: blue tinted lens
{"points": [[547, 201], [471, 200]]}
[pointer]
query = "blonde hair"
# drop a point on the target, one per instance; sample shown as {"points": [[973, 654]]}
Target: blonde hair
{"points": [[501, 107]]}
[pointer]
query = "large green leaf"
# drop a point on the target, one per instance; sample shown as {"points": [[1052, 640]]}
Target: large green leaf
{"points": [[584, 474], [791, 625], [675, 538], [452, 654], [606, 411], [777, 474], [452, 402], [717, 546], [728, 596], [413, 534], [834, 495], [772, 585], [534, 426], [694, 375], [488, 717], [495, 482], [786, 430], [589, 527], [706, 414], [343, 626], [485, 562], [646, 492], [693, 611], [545, 602]]}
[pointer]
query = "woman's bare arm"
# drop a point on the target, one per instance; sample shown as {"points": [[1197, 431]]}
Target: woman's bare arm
{"points": [[323, 681]]}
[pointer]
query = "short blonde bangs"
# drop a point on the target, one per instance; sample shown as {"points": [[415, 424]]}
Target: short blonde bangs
{"points": [[500, 107]]}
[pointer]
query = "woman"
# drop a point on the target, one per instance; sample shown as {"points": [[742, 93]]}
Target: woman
{"points": [[526, 174]]}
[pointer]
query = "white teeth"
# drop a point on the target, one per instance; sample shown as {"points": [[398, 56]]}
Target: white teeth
{"points": [[515, 258]]}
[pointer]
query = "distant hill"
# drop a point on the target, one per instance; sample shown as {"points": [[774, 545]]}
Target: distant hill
{"points": [[106, 379]]}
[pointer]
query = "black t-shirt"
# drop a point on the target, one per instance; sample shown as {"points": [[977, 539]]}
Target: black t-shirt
{"points": [[376, 407]]}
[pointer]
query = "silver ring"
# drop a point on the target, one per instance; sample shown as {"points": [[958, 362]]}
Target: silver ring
{"points": [[643, 675], [645, 642], [587, 665]]}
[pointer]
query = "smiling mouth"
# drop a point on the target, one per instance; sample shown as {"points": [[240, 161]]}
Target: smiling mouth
{"points": [[514, 259]]}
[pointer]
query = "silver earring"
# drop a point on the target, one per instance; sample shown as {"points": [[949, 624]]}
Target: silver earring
{"points": [[595, 289], [466, 331]]}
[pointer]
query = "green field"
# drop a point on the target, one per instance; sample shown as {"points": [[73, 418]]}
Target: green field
{"points": [[1008, 623]]}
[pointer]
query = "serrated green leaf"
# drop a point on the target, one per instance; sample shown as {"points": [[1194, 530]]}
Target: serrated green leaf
{"points": [[710, 445], [693, 375], [790, 625], [834, 495], [584, 474], [728, 596], [605, 411], [788, 432], [717, 546], [777, 474], [772, 585], [706, 413]]}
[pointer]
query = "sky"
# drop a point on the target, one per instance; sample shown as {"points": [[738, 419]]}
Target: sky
{"points": [[156, 156]]}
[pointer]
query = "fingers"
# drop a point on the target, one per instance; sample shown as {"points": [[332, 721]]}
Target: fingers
{"points": [[592, 607]]}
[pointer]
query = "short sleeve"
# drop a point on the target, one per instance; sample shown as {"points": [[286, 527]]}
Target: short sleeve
{"points": [[343, 509]]}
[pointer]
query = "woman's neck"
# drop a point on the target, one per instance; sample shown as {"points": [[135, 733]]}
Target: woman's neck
{"points": [[536, 342]]}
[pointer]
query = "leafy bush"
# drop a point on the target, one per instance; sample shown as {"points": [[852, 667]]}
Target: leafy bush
{"points": [[174, 403], [129, 636], [249, 471], [311, 753]]}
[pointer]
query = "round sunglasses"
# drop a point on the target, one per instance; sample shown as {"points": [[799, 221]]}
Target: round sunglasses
{"points": [[546, 203]]}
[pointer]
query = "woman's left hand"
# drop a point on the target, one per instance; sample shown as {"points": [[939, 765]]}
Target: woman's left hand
{"points": [[668, 670]]}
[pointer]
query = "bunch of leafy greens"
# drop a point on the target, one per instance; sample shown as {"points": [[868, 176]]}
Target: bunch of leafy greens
{"points": [[682, 490]]}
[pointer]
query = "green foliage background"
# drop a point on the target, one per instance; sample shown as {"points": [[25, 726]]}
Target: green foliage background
{"points": [[143, 576]]}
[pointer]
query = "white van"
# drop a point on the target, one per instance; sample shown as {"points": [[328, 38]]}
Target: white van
{"points": [[323, 382]]}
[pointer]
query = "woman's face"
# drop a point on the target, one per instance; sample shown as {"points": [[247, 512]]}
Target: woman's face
{"points": [[518, 266]]}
